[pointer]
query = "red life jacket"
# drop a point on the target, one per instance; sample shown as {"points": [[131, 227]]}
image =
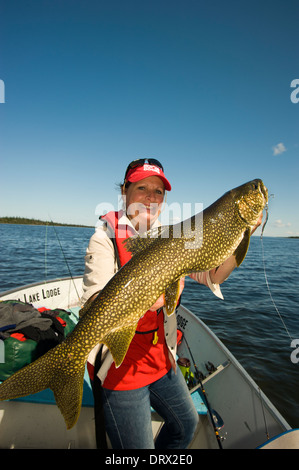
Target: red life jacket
{"points": [[147, 358]]}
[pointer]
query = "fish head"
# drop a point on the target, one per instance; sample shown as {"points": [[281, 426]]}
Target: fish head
{"points": [[250, 199]]}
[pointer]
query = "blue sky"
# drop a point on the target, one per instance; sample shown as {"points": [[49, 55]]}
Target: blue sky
{"points": [[90, 85]]}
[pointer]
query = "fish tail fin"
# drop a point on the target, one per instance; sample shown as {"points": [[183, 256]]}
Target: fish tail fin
{"points": [[47, 372]]}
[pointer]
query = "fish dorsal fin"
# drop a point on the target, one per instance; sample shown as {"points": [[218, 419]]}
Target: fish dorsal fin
{"points": [[139, 243], [172, 296], [118, 342], [241, 250]]}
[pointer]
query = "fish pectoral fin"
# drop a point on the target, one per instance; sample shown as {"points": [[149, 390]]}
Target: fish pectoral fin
{"points": [[241, 251], [118, 342], [172, 296]]}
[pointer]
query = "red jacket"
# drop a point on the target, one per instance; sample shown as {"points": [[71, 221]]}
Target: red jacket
{"points": [[147, 358]]}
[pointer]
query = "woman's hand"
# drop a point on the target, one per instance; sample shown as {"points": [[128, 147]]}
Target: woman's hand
{"points": [[161, 300], [220, 274], [257, 224]]}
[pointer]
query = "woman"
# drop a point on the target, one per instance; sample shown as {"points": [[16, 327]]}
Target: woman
{"points": [[148, 375]]}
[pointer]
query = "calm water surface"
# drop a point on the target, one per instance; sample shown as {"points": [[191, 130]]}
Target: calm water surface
{"points": [[246, 320]]}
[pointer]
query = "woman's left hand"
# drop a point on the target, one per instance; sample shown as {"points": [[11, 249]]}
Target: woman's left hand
{"points": [[161, 300], [257, 224]]}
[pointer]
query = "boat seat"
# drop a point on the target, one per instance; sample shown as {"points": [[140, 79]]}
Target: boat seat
{"points": [[199, 402]]}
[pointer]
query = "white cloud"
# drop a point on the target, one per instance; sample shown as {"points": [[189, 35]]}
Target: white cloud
{"points": [[279, 223], [278, 149]]}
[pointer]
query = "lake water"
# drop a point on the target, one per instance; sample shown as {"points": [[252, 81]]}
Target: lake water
{"points": [[246, 320]]}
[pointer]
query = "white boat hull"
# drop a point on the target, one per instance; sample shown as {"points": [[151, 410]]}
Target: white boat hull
{"points": [[249, 417]]}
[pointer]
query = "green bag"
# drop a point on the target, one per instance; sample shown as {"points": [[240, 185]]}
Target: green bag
{"points": [[18, 354]]}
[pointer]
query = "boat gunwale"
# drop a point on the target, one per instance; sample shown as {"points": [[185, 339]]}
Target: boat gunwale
{"points": [[40, 283]]}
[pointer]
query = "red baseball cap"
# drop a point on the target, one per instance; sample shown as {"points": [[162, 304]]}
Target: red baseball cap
{"points": [[144, 170]]}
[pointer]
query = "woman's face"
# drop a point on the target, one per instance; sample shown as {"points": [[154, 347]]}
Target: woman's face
{"points": [[143, 201]]}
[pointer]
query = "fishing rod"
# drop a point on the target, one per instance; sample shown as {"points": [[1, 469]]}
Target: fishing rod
{"points": [[198, 375], [65, 259], [265, 422]]}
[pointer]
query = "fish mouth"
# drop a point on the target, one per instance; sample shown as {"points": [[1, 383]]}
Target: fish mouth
{"points": [[264, 191], [259, 185]]}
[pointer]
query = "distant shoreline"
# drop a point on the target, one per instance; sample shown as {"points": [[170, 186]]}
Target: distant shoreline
{"points": [[25, 221]]}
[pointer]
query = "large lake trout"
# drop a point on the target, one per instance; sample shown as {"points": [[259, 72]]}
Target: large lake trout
{"points": [[159, 260]]}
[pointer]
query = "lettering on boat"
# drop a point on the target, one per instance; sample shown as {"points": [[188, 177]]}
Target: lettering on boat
{"points": [[181, 321], [50, 292], [42, 294], [29, 298]]}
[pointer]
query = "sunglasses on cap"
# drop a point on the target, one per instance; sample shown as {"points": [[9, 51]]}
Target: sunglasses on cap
{"points": [[141, 162]]}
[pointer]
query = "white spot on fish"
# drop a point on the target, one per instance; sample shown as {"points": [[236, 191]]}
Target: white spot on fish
{"points": [[128, 283]]}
